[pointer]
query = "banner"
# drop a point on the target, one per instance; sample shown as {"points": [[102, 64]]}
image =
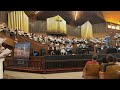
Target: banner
{"points": [[22, 52], [56, 25], [86, 30], [18, 20]]}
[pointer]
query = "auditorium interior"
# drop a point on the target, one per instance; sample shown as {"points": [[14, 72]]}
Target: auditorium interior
{"points": [[60, 44]]}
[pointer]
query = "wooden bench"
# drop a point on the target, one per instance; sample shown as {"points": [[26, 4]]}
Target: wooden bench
{"points": [[110, 73], [91, 71]]}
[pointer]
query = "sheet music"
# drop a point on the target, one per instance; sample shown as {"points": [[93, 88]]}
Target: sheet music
{"points": [[1, 29], [5, 52], [2, 40]]}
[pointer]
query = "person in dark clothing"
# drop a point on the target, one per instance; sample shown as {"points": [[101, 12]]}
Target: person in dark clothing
{"points": [[54, 50], [104, 60], [116, 61], [16, 33], [110, 59]]}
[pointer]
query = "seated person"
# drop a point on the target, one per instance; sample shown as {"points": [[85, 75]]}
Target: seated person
{"points": [[110, 59], [104, 61], [69, 49], [79, 51], [57, 48], [53, 52], [116, 61], [49, 49], [63, 51], [92, 62], [118, 49], [83, 48], [110, 68]]}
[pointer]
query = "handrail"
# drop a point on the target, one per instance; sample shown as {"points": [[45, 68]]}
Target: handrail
{"points": [[34, 45], [37, 64]]}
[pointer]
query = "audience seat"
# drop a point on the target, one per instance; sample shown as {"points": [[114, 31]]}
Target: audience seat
{"points": [[91, 72], [110, 73]]}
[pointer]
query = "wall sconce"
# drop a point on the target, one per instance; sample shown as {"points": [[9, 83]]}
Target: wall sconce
{"points": [[113, 27], [109, 26], [118, 27]]}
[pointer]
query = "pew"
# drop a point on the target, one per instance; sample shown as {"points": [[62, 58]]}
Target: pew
{"points": [[110, 73], [91, 72]]}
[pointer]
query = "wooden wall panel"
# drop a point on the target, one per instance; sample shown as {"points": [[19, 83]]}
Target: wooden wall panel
{"points": [[3, 16], [99, 28], [99, 35], [73, 31], [37, 26]]}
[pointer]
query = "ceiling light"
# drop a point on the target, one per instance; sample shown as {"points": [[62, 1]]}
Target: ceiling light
{"points": [[109, 26], [76, 14], [113, 27], [36, 12]]}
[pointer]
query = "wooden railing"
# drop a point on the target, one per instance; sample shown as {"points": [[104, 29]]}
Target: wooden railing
{"points": [[46, 66], [24, 64], [51, 63], [35, 46], [65, 64]]}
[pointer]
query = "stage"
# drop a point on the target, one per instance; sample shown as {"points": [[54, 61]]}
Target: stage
{"points": [[53, 64]]}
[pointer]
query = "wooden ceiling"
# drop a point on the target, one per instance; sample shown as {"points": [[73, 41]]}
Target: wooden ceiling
{"points": [[112, 16], [82, 16]]}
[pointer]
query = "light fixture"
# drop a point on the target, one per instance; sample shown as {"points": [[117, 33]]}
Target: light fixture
{"points": [[36, 12], [118, 27], [76, 14], [109, 26], [113, 27]]}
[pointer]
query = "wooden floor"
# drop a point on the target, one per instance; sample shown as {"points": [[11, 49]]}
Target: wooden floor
{"points": [[25, 75], [9, 77]]}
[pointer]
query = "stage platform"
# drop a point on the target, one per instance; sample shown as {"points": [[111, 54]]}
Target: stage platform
{"points": [[33, 70], [53, 64], [25, 75]]}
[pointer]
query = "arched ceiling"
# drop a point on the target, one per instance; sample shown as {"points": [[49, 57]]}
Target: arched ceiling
{"points": [[78, 17]]}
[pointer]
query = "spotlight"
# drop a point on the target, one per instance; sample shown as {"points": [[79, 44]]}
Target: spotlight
{"points": [[36, 12]]}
